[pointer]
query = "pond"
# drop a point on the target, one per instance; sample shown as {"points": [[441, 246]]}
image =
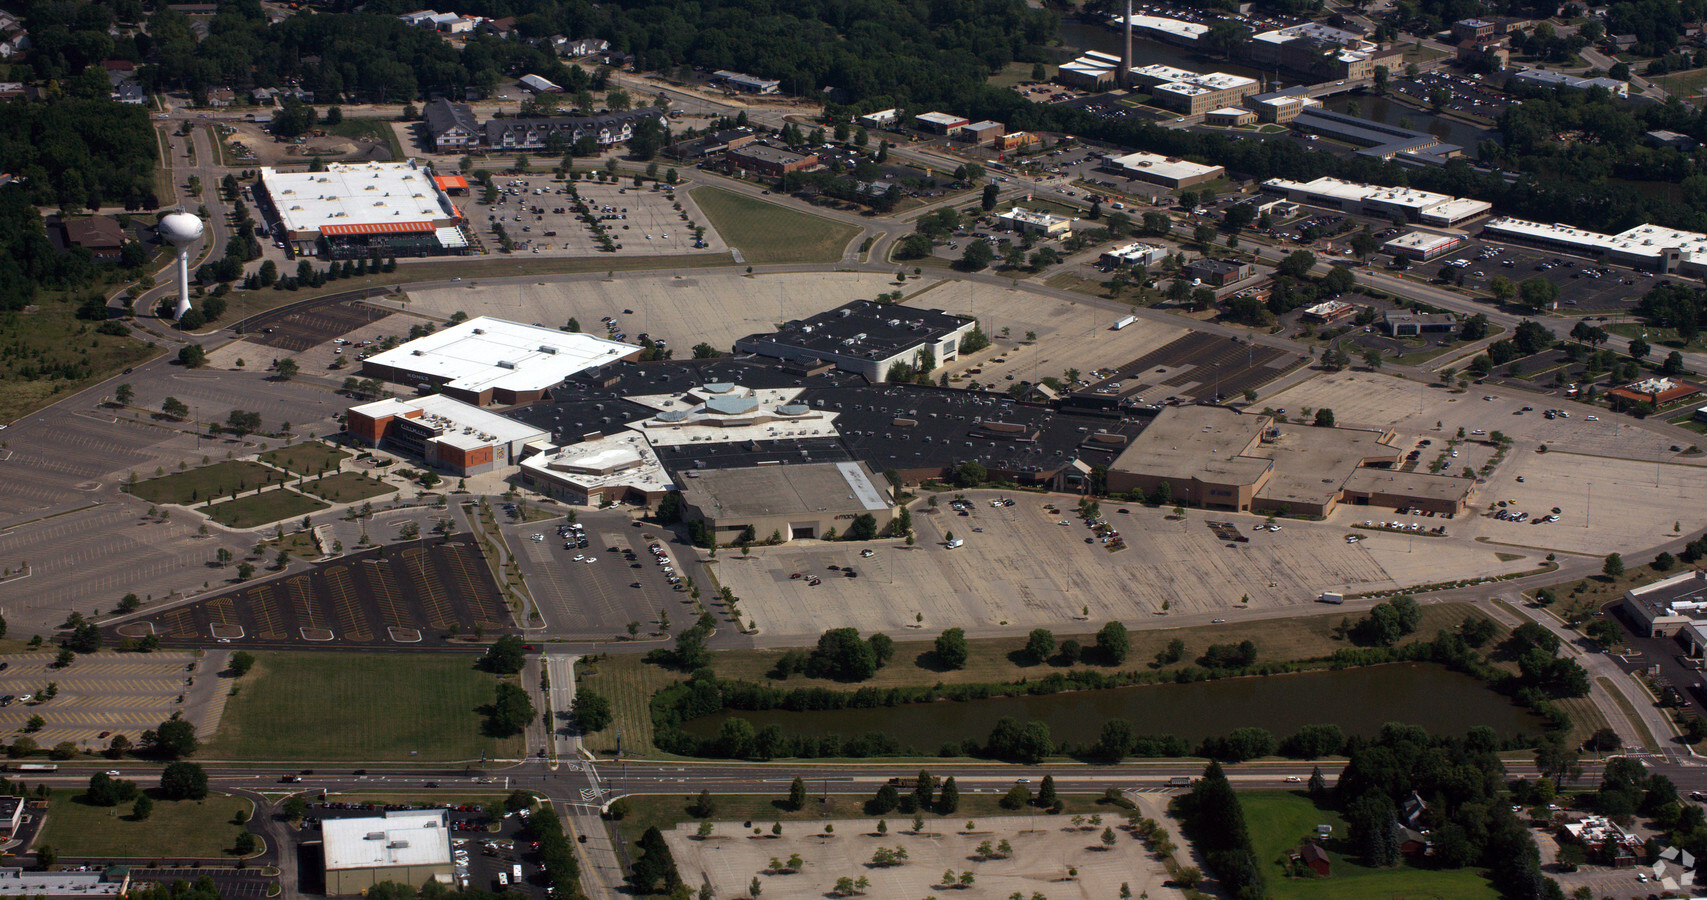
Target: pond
{"points": [[1359, 701], [1385, 111]]}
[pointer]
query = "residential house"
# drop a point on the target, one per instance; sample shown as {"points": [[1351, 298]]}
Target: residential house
{"points": [[1413, 811], [451, 127], [534, 134], [101, 236], [1316, 858]]}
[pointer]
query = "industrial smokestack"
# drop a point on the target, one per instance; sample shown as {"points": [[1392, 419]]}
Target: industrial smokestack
{"points": [[1125, 79]]}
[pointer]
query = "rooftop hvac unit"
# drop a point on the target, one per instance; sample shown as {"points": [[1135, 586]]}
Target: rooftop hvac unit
{"points": [[374, 836], [479, 331], [417, 353], [397, 845], [546, 348], [506, 364]]}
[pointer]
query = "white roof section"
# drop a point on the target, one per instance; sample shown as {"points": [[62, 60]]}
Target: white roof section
{"points": [[618, 460], [1230, 111], [945, 120], [1646, 241], [1422, 241], [539, 85], [19, 883], [365, 193], [464, 425], [484, 353], [399, 838], [980, 126], [1136, 250], [1162, 25], [1165, 166], [864, 491], [1424, 203], [1033, 217], [723, 413]]}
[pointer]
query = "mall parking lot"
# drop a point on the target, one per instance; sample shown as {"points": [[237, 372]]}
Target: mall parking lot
{"points": [[97, 694], [539, 215], [1584, 285], [597, 590]]}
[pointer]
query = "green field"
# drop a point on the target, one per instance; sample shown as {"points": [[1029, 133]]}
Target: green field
{"points": [[373, 129], [1278, 820], [367, 707], [765, 232], [263, 508], [1683, 84], [630, 682], [347, 487], [308, 458], [203, 484], [50, 337], [177, 828]]}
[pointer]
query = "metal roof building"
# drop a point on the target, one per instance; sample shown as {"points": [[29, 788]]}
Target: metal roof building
{"points": [[395, 209], [406, 846]]}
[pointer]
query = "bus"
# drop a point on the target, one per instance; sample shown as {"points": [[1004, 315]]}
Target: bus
{"points": [[516, 873], [34, 767]]}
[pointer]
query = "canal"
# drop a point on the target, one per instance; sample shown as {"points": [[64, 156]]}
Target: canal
{"points": [[1359, 701]]}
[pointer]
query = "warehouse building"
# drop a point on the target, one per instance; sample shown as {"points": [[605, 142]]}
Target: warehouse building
{"points": [[359, 210], [1668, 606], [484, 360], [938, 123], [1033, 221], [409, 847], [793, 501], [1378, 139], [765, 159], [1413, 324], [1541, 78], [1374, 200], [709, 145], [865, 338], [1220, 272], [442, 432], [1322, 51], [1167, 171], [1191, 93]]}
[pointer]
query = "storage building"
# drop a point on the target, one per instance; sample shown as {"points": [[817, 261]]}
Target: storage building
{"points": [[409, 847]]}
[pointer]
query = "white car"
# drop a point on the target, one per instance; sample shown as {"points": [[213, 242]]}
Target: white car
{"points": [[592, 559], [579, 557]]}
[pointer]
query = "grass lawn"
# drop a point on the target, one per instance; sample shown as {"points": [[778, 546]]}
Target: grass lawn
{"points": [[665, 811], [630, 682], [177, 828], [262, 508], [1278, 820], [51, 337], [203, 484], [367, 707], [1683, 84], [769, 233], [1657, 338], [347, 487], [308, 458], [296, 543], [378, 130], [1015, 72]]}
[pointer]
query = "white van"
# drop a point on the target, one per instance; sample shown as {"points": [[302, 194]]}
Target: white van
{"points": [[956, 543]]}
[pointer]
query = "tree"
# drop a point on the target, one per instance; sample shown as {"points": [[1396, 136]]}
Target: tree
{"points": [[124, 394], [286, 368], [173, 739], [592, 711], [245, 571], [143, 808], [1113, 643], [977, 256], [1639, 349], [1040, 645], [183, 781], [797, 794], [173, 408], [948, 799], [1614, 565], [192, 355], [951, 649], [1673, 364], [1538, 293], [841, 654], [1046, 791], [1297, 264], [991, 193], [241, 662], [505, 656], [511, 710]]}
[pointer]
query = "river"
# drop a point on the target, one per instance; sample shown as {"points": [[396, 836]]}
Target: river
{"points": [[1359, 701]]}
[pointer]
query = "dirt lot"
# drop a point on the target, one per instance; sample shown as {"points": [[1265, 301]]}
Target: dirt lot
{"points": [[1043, 850], [1639, 486], [1024, 569], [684, 310]]}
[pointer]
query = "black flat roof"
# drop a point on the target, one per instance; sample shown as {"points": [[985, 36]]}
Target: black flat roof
{"points": [[873, 326]]}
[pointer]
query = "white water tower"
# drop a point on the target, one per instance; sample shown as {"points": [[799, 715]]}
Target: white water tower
{"points": [[180, 229]]}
